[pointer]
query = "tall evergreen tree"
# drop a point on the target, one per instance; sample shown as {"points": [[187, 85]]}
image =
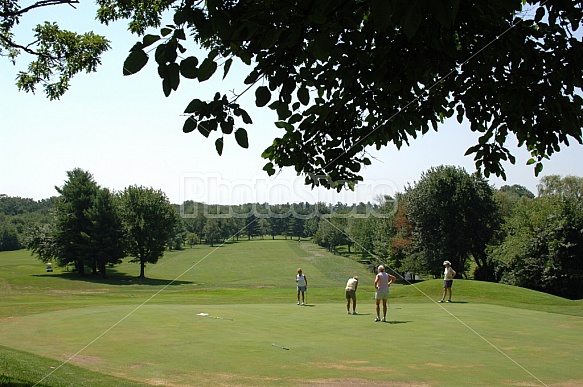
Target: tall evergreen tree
{"points": [[73, 225], [107, 242]]}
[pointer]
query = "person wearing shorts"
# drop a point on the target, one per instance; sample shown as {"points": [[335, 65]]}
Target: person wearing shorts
{"points": [[350, 291], [448, 275], [302, 285], [382, 282]]}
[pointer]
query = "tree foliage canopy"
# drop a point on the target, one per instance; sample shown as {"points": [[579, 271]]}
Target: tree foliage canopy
{"points": [[60, 54], [454, 216], [543, 247], [149, 219], [350, 75], [343, 76]]}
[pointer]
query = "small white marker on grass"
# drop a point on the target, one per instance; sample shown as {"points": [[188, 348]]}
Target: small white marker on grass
{"points": [[207, 315]]}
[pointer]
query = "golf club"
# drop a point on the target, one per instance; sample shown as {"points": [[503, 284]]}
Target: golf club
{"points": [[279, 346]]}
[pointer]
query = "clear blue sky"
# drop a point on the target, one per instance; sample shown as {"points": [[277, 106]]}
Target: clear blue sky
{"points": [[125, 132]]}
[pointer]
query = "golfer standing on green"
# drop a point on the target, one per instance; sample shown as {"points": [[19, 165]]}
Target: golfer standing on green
{"points": [[448, 274], [302, 285], [381, 283]]}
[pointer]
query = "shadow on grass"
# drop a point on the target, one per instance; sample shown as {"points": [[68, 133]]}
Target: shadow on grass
{"points": [[397, 322], [11, 382], [114, 278]]}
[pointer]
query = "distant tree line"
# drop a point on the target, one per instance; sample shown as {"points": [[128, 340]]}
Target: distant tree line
{"points": [[506, 235], [17, 215]]}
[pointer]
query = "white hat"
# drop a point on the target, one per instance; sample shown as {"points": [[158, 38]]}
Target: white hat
{"points": [[446, 263]]}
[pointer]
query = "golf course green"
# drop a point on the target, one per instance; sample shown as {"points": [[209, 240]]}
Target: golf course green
{"points": [[227, 315]]}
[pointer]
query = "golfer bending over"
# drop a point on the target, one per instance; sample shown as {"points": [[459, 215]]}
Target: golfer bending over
{"points": [[351, 287], [381, 283], [302, 285]]}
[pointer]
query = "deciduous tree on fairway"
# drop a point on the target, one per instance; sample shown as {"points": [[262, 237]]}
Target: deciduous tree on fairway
{"points": [[8, 238], [344, 76], [212, 231], [454, 217], [507, 197], [568, 187], [331, 233], [149, 220], [543, 248]]}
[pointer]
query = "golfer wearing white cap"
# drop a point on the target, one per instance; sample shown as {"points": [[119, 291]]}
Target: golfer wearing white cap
{"points": [[448, 275]]}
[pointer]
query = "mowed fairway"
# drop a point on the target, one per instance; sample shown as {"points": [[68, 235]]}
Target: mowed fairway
{"points": [[148, 332]]}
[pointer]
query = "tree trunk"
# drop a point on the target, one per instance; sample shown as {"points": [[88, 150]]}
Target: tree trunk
{"points": [[80, 267], [102, 269]]}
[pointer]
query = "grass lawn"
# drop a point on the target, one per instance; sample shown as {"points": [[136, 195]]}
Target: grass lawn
{"points": [[59, 330]]}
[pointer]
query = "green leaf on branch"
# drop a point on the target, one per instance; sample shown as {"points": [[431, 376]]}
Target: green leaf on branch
{"points": [[295, 118], [284, 125], [227, 127], [540, 13], [472, 149], [227, 67], [165, 53], [245, 116], [135, 61], [149, 40], [269, 169], [206, 127], [241, 137], [179, 34], [412, 21], [304, 96], [381, 14], [440, 12], [252, 77], [189, 125], [262, 96], [195, 106], [219, 146], [188, 67], [174, 75], [206, 69], [166, 86]]}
